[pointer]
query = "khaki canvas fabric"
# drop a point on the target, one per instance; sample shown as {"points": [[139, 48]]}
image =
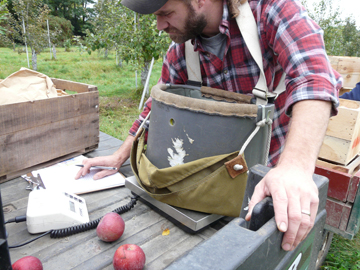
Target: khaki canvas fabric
{"points": [[26, 85], [203, 185]]}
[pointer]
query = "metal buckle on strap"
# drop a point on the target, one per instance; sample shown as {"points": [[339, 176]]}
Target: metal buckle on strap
{"points": [[264, 95], [194, 83]]}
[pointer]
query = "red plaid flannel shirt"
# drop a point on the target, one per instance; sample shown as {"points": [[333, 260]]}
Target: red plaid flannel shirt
{"points": [[290, 42]]}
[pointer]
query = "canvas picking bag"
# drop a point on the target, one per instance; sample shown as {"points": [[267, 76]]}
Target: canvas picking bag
{"points": [[192, 159]]}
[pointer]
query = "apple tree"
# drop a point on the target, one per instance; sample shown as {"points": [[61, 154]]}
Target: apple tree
{"points": [[31, 15], [340, 35], [133, 36], [3, 16]]}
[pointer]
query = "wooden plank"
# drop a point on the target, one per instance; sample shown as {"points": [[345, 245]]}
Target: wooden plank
{"points": [[335, 150], [353, 189], [344, 90], [26, 115], [174, 252], [73, 86], [345, 216], [18, 173], [344, 234], [39, 144], [348, 67], [342, 141], [354, 220], [107, 146], [344, 124], [351, 168], [94, 258], [143, 227], [338, 182], [336, 210]]}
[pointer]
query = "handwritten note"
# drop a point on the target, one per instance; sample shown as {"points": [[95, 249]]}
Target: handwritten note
{"points": [[61, 176]]}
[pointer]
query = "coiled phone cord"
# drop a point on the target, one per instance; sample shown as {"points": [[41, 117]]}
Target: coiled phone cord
{"points": [[92, 224], [82, 227]]}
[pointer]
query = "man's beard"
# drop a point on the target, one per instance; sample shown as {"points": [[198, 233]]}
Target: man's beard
{"points": [[194, 26]]}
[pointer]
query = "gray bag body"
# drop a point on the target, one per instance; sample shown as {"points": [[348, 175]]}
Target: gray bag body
{"points": [[187, 124]]}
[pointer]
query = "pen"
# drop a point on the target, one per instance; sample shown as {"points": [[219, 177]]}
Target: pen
{"points": [[100, 167]]}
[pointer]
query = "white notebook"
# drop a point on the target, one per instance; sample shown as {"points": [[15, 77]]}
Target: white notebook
{"points": [[61, 176]]}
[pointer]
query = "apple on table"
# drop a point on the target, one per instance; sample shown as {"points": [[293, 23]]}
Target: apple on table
{"points": [[129, 257]]}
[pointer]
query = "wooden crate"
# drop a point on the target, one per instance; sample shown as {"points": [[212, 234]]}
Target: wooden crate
{"points": [[342, 140], [349, 68], [38, 133], [343, 202]]}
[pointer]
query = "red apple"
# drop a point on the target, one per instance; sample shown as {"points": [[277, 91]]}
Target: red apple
{"points": [[27, 263], [129, 257], [111, 227]]}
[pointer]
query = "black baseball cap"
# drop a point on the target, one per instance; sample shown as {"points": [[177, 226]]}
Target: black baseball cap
{"points": [[144, 6]]}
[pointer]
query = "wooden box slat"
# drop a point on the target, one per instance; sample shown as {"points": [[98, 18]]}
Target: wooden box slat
{"points": [[73, 86], [348, 67], [338, 214], [49, 130], [339, 182], [342, 140]]}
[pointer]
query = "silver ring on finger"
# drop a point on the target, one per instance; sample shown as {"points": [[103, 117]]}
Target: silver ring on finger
{"points": [[306, 212]]}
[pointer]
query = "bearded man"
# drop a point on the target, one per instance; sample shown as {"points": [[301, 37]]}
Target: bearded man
{"points": [[290, 43]]}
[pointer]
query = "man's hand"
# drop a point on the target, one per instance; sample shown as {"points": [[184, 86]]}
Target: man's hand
{"points": [[293, 192], [115, 160], [108, 161], [290, 183]]}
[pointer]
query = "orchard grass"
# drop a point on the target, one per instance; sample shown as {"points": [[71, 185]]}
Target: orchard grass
{"points": [[343, 254], [119, 102], [119, 97]]}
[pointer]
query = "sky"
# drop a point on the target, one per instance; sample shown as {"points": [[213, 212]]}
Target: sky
{"points": [[347, 8]]}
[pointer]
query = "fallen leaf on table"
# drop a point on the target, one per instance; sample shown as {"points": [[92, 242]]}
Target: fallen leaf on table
{"points": [[166, 232]]}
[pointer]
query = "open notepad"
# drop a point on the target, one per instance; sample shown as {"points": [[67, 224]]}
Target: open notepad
{"points": [[61, 176]]}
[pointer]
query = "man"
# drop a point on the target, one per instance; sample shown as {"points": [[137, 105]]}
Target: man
{"points": [[290, 43]]}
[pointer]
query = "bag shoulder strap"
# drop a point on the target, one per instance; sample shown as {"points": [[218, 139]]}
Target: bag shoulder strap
{"points": [[248, 28], [192, 64]]}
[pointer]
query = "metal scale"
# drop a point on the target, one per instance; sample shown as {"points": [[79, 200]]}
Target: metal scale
{"points": [[189, 221]]}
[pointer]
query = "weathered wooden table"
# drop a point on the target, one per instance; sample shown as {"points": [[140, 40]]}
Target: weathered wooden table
{"points": [[85, 250]]}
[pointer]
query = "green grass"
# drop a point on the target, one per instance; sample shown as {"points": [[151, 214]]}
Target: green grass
{"points": [[119, 97], [119, 102], [344, 254]]}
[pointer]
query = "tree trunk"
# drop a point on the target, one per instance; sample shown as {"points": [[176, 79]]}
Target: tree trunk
{"points": [[34, 59], [54, 51], [144, 72], [118, 59], [106, 53]]}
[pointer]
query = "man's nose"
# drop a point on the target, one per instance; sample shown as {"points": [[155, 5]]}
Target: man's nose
{"points": [[161, 23]]}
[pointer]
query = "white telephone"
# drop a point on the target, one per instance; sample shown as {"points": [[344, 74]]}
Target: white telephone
{"points": [[51, 210]]}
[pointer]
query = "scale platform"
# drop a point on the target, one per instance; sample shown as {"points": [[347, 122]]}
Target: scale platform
{"points": [[188, 220]]}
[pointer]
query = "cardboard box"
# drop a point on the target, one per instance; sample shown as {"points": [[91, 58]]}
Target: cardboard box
{"points": [[38, 133]]}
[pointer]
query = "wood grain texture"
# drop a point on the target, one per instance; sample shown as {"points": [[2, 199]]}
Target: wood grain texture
{"points": [[143, 227], [348, 67], [43, 132], [342, 140]]}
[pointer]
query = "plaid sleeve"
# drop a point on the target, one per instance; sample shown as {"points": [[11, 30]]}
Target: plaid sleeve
{"points": [[297, 42], [174, 66]]}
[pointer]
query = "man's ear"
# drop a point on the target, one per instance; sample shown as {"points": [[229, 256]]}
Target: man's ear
{"points": [[200, 3]]}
